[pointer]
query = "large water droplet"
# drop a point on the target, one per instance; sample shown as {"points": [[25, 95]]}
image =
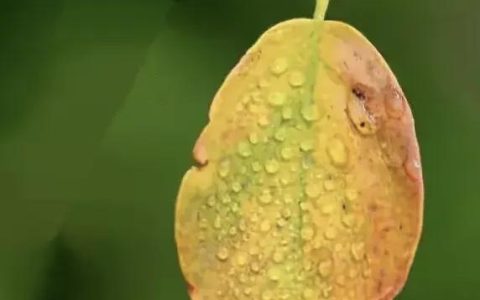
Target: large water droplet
{"points": [[337, 151], [279, 66], [272, 166], [296, 79], [277, 99], [222, 254], [309, 113]]}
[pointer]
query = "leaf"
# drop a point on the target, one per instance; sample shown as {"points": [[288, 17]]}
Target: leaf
{"points": [[308, 183]]}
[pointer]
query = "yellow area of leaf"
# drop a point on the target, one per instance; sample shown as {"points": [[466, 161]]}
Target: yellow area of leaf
{"points": [[309, 183]]}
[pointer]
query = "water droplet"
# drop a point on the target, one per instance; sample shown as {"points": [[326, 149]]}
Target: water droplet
{"points": [[326, 291], [263, 83], [272, 166], [286, 213], [211, 201], [288, 199], [309, 113], [236, 187], [222, 254], [341, 280], [277, 99], [286, 153], [254, 250], [247, 291], [325, 268], [253, 108], [348, 220], [280, 134], [412, 168], [328, 209], [330, 233], [244, 149], [279, 66], [242, 259], [255, 267], [306, 145], [224, 169], [233, 231], [265, 226], [367, 273], [358, 251], [287, 113], [265, 197], [256, 166], [225, 198], [274, 274], [296, 79], [217, 223], [352, 273], [337, 151], [329, 185], [253, 138], [312, 190], [278, 257], [242, 225], [351, 194], [308, 294], [263, 121], [307, 233]]}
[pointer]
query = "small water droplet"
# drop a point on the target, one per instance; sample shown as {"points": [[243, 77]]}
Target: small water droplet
{"points": [[263, 83], [312, 190], [310, 113], [279, 66], [337, 151], [272, 166], [211, 201], [274, 274], [307, 233], [296, 79], [265, 226], [328, 209], [233, 231], [287, 113], [286, 153], [255, 267], [351, 194], [225, 198], [217, 223], [280, 134], [254, 250], [330, 233], [265, 197], [242, 259], [222, 254], [348, 220], [352, 273], [253, 108], [277, 99], [308, 294], [325, 268], [358, 251], [288, 199], [253, 138], [278, 257], [263, 121], [286, 213], [341, 280], [306, 145], [224, 169], [256, 166], [329, 185], [244, 149], [236, 187]]}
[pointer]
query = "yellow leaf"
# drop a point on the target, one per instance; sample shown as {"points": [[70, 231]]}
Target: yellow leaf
{"points": [[308, 184]]}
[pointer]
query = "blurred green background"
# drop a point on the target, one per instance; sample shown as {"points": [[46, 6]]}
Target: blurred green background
{"points": [[101, 102]]}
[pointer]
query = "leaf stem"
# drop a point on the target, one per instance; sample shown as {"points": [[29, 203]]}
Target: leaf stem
{"points": [[321, 9]]}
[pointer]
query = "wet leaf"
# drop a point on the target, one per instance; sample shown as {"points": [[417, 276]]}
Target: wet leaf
{"points": [[308, 182]]}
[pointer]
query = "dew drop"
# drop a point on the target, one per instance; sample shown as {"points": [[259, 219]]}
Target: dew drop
{"points": [[325, 268], [330, 233], [309, 113], [256, 166], [278, 257], [265, 197], [296, 79], [274, 274], [253, 138], [265, 226], [263, 121], [308, 294], [255, 267], [224, 169], [312, 190], [341, 280], [211, 201], [279, 66], [277, 99], [358, 251], [236, 187], [329, 185], [286, 153], [328, 209], [222, 254], [306, 145], [225, 199], [244, 149], [217, 223], [287, 113], [351, 194], [337, 151], [348, 220], [242, 259], [272, 166], [307, 233], [280, 134], [286, 213]]}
